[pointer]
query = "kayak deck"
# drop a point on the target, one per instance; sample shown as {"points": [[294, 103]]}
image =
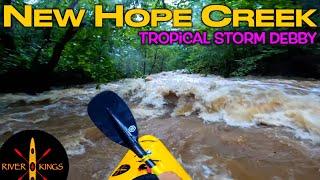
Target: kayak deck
{"points": [[131, 166]]}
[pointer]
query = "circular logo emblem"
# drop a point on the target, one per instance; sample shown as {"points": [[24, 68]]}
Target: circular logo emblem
{"points": [[33, 154], [132, 128]]}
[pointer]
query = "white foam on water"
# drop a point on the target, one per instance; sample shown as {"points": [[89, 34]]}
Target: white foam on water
{"points": [[237, 102], [146, 113], [35, 116], [74, 149], [75, 144], [53, 96], [211, 171], [6, 127]]}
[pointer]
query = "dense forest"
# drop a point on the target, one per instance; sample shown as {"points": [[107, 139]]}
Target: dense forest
{"points": [[33, 59]]}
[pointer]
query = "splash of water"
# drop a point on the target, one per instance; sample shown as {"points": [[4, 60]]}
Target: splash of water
{"points": [[291, 104]]}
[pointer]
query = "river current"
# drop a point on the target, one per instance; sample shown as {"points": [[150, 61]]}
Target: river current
{"points": [[239, 128]]}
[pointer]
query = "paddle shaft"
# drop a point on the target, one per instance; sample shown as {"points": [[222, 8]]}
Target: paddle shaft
{"points": [[134, 144]]}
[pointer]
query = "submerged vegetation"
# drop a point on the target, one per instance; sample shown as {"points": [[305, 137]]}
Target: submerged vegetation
{"points": [[40, 57]]}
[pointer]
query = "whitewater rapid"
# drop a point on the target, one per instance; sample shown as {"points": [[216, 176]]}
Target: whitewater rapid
{"points": [[237, 102]]}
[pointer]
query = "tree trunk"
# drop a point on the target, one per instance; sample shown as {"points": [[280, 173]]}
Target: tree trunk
{"points": [[144, 62], [6, 39], [164, 4], [154, 61], [59, 47], [47, 38], [162, 63]]}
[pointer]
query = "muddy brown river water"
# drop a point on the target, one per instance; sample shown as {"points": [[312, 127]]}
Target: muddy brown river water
{"points": [[217, 128]]}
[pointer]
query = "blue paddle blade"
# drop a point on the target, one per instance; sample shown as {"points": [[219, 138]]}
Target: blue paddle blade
{"points": [[113, 117]]}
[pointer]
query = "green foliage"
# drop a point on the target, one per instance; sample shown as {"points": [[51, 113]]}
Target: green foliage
{"points": [[89, 51], [110, 53]]}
